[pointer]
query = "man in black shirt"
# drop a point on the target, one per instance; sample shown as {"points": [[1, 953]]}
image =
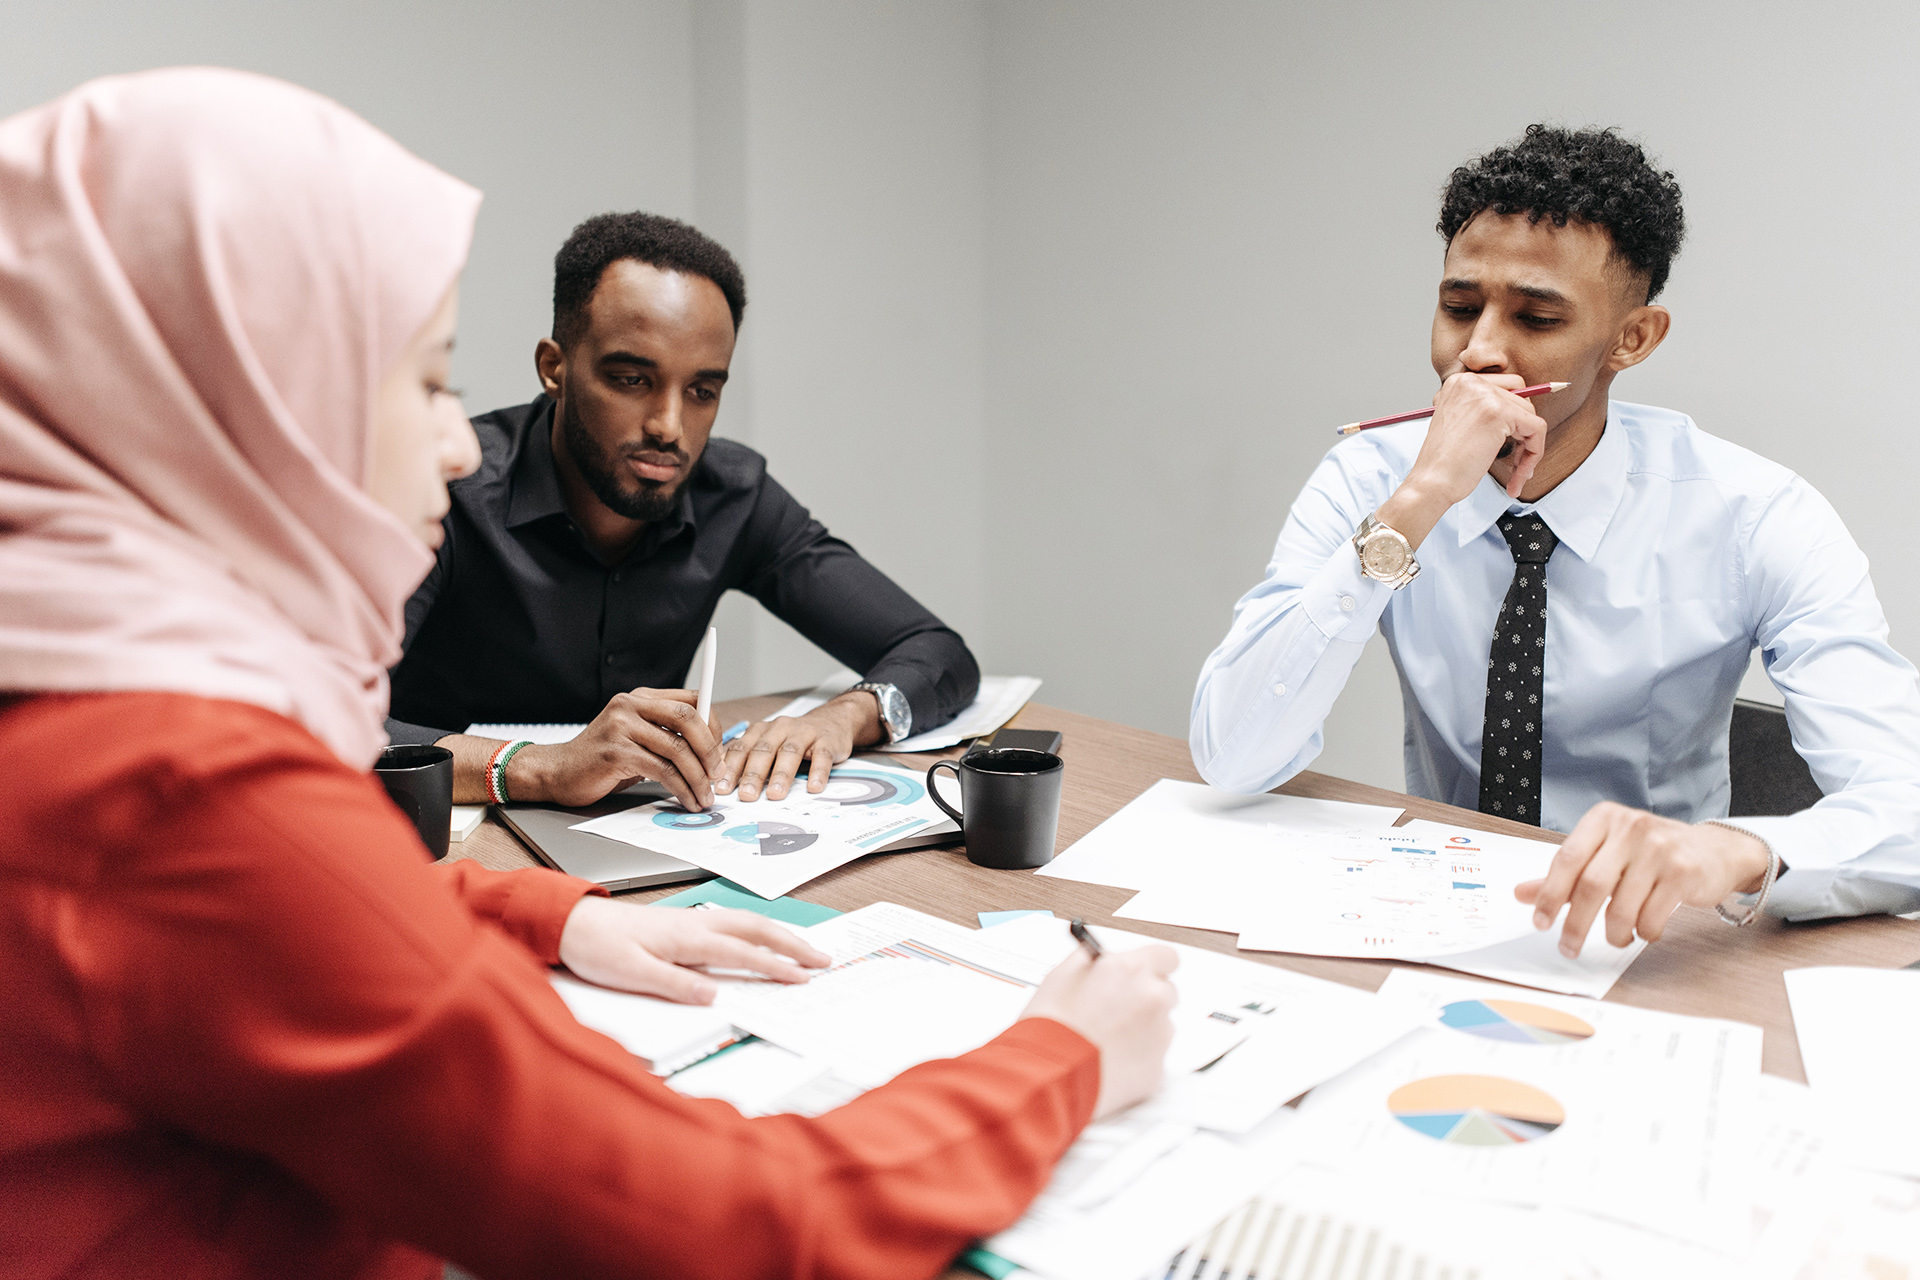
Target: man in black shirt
{"points": [[584, 559]]}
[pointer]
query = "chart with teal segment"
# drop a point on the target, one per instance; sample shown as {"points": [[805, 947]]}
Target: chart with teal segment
{"points": [[1476, 1111], [1515, 1022]]}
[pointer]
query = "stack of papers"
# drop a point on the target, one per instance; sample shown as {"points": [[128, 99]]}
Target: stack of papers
{"points": [[998, 701], [1528, 1099], [774, 846], [1810, 1220]]}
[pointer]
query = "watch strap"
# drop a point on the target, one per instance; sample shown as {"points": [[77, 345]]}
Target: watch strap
{"points": [[884, 694]]}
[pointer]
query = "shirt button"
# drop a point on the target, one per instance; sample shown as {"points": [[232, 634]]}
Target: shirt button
{"points": [[609, 659], [616, 575], [1346, 604], [1279, 690]]}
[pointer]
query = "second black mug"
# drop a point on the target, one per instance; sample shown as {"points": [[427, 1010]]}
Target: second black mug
{"points": [[420, 781], [1009, 805]]}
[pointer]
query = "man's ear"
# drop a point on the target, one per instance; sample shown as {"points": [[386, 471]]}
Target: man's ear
{"points": [[550, 362], [1644, 329]]}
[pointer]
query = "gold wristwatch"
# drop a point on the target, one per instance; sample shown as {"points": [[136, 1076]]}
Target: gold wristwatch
{"points": [[1385, 554]]}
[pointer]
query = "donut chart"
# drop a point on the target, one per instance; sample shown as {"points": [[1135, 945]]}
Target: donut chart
{"points": [[678, 820], [783, 837], [1476, 1111]]}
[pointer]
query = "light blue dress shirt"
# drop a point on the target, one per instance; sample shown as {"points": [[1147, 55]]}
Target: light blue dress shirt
{"points": [[1679, 554]]}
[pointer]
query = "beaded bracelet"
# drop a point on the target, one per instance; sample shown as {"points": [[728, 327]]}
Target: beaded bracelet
{"points": [[1766, 885], [497, 769]]}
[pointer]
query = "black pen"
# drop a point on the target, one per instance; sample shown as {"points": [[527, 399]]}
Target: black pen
{"points": [[1084, 936]]}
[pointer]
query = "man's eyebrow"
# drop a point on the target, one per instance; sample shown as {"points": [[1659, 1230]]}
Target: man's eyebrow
{"points": [[1459, 282], [1540, 293], [711, 375]]}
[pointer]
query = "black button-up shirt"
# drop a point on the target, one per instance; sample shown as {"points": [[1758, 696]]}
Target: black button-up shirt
{"points": [[521, 621]]}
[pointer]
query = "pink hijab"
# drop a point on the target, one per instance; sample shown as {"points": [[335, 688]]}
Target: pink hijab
{"points": [[203, 276]]}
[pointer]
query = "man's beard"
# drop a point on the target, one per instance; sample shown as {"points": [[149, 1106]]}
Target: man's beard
{"points": [[646, 500]]}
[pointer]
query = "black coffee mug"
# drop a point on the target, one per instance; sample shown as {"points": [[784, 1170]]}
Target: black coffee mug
{"points": [[420, 780], [1011, 803]]}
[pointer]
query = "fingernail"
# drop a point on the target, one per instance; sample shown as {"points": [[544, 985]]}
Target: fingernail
{"points": [[1570, 951], [1541, 919], [705, 992]]}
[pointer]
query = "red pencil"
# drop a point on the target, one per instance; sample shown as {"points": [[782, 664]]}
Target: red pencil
{"points": [[1539, 389]]}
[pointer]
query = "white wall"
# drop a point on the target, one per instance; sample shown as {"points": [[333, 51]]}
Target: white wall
{"points": [[1211, 239], [841, 159], [1054, 301], [556, 111]]}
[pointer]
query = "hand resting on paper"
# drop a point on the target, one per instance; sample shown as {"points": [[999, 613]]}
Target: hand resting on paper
{"points": [[651, 950], [1122, 1003], [1641, 867], [770, 753]]}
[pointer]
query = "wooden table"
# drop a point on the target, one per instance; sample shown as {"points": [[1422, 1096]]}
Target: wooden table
{"points": [[1701, 967]]}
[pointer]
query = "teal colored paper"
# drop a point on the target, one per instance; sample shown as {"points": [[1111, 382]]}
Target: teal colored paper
{"points": [[725, 893]]}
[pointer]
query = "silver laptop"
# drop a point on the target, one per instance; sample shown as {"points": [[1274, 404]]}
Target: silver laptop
{"points": [[547, 831]]}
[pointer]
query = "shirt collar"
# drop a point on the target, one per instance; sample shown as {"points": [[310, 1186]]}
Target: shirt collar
{"points": [[535, 494], [536, 491], [1579, 508]]}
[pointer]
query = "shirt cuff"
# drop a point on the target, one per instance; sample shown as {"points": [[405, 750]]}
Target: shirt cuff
{"points": [[1817, 883], [531, 905], [1342, 600]]}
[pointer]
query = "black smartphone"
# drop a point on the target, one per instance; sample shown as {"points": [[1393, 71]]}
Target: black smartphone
{"points": [[1047, 740]]}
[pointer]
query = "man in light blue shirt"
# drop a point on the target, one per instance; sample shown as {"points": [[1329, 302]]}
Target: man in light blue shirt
{"points": [[1571, 587]]}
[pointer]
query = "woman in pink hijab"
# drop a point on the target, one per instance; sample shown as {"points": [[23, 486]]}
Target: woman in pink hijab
{"points": [[248, 1030]]}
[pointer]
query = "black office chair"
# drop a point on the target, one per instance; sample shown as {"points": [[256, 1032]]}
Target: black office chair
{"points": [[1769, 777]]}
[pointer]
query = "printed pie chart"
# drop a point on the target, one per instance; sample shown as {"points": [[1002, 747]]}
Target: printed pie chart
{"points": [[1476, 1111], [1514, 1021]]}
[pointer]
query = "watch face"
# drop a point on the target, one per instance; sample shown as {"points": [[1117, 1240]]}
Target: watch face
{"points": [[1385, 558], [896, 714]]}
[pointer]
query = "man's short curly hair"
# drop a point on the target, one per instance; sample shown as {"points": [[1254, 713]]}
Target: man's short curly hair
{"points": [[1589, 175], [666, 243]]}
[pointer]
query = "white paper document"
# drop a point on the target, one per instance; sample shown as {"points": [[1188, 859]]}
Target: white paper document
{"points": [[758, 1077], [774, 846], [1264, 1035], [664, 1035], [1533, 959], [1154, 838], [1859, 1032], [1132, 1190], [1312, 1225], [1810, 1221], [903, 988], [1524, 1098], [998, 701]]}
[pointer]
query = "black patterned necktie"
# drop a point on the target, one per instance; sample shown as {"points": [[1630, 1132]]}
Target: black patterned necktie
{"points": [[1510, 739]]}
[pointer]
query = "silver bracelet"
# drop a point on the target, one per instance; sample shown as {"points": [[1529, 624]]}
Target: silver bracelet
{"points": [[1766, 885]]}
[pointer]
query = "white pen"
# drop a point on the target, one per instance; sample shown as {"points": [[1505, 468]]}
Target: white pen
{"points": [[707, 652]]}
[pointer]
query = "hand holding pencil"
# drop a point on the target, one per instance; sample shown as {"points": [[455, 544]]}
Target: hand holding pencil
{"points": [[1414, 415], [1480, 427]]}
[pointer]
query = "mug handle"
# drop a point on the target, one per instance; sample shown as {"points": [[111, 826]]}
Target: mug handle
{"points": [[934, 791]]}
